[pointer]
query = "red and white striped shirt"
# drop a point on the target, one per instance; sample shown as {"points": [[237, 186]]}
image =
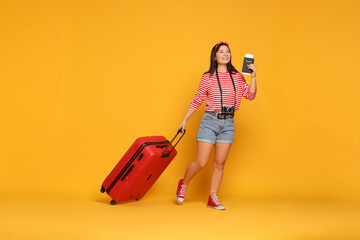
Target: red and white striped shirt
{"points": [[209, 90]]}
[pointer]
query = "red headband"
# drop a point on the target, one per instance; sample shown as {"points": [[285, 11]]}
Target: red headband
{"points": [[217, 45]]}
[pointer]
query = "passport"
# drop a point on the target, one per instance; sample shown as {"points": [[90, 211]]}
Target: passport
{"points": [[248, 59]]}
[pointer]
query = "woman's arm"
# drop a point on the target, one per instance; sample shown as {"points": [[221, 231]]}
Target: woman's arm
{"points": [[187, 116], [253, 88], [197, 101]]}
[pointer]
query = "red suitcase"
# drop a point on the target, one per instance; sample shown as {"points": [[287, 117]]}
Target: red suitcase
{"points": [[139, 168]]}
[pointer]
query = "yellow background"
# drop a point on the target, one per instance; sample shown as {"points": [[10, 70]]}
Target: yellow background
{"points": [[81, 80]]}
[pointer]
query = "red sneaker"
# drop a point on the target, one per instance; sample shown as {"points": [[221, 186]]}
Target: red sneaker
{"points": [[181, 190], [214, 203]]}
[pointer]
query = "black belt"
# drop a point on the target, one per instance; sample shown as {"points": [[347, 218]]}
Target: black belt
{"points": [[221, 115]]}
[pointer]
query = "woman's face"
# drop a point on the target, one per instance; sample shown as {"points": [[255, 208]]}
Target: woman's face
{"points": [[223, 55]]}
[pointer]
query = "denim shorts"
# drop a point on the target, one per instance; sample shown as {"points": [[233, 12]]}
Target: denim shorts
{"points": [[214, 130]]}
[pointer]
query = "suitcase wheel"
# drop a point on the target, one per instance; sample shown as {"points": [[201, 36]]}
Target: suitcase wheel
{"points": [[102, 189], [137, 199], [112, 202]]}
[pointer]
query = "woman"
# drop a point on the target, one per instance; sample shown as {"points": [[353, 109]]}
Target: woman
{"points": [[222, 87]]}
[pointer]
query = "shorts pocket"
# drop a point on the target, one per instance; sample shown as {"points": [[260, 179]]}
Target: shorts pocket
{"points": [[209, 117]]}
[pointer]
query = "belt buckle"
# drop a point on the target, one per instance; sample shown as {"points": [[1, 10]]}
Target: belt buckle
{"points": [[224, 116], [221, 116]]}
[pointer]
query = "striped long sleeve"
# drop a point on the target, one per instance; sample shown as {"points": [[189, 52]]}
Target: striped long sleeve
{"points": [[201, 93], [247, 94]]}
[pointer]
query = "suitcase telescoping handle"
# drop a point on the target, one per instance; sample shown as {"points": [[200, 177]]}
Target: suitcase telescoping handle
{"points": [[179, 131]]}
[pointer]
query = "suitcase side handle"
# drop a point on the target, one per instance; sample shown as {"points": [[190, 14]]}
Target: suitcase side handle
{"points": [[167, 155]]}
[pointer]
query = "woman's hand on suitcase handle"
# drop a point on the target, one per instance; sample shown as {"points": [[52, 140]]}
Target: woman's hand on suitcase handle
{"points": [[187, 116], [182, 126]]}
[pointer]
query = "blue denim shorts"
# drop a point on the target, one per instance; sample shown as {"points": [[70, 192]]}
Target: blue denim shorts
{"points": [[214, 130]]}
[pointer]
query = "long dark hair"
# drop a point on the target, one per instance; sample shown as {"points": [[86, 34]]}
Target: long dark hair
{"points": [[214, 64]]}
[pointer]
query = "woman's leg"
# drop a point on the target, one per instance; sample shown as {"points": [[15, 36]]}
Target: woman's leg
{"points": [[221, 154], [203, 155]]}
